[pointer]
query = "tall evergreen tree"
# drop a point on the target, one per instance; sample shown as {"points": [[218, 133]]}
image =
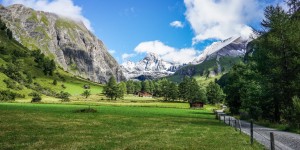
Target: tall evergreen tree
{"points": [[130, 87], [137, 86], [122, 90], [214, 93], [146, 86], [277, 58], [189, 90], [111, 89]]}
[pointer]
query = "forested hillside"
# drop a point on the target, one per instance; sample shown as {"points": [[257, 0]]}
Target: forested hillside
{"points": [[266, 86]]}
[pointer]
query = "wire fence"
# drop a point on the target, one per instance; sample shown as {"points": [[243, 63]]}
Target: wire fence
{"points": [[265, 136]]}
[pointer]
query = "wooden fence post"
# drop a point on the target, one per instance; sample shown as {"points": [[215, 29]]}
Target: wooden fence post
{"points": [[235, 125], [272, 141], [240, 126], [251, 131]]}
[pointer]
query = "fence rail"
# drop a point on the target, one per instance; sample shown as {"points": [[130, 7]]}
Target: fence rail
{"points": [[263, 135]]}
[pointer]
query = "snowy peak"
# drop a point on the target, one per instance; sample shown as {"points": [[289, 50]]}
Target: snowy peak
{"points": [[152, 65], [152, 57], [233, 47]]}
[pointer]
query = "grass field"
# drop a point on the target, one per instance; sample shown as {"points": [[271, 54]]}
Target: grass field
{"points": [[57, 126]]}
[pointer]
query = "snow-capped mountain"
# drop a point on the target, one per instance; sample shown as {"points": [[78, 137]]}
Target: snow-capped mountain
{"points": [[233, 47], [152, 66]]}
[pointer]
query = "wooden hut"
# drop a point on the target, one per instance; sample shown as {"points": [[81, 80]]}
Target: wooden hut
{"points": [[144, 94], [196, 105]]}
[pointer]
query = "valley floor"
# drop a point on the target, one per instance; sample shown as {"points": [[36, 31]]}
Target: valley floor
{"points": [[57, 126]]}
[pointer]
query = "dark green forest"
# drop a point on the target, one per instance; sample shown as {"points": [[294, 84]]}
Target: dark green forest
{"points": [[266, 86]]}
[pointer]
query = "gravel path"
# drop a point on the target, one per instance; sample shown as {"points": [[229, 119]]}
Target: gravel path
{"points": [[283, 140]]}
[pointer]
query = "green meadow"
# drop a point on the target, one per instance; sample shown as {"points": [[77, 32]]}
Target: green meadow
{"points": [[115, 126]]}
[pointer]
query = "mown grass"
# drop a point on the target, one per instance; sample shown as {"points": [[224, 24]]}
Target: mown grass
{"points": [[57, 126]]}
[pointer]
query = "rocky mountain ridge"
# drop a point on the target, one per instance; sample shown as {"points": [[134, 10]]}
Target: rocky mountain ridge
{"points": [[232, 47], [152, 65], [214, 57], [68, 42]]}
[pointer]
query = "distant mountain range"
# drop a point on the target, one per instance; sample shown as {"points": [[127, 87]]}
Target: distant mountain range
{"points": [[151, 67], [76, 50], [216, 58]]}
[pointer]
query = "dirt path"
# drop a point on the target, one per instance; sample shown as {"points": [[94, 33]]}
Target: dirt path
{"points": [[283, 140]]}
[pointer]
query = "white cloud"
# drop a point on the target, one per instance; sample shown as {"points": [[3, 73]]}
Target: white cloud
{"points": [[111, 51], [126, 56], [154, 47], [167, 53], [181, 56], [65, 8], [221, 19], [177, 24]]}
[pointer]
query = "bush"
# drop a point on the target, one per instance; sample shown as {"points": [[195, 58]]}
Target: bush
{"points": [[36, 97], [54, 82], [64, 96], [86, 110], [7, 95], [12, 84]]}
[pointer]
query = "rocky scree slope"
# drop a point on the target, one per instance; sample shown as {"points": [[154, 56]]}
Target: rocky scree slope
{"points": [[69, 42]]}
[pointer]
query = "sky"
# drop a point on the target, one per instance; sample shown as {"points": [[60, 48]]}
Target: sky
{"points": [[176, 30]]}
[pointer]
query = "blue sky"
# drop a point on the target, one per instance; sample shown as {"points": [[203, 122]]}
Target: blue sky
{"points": [[132, 28]]}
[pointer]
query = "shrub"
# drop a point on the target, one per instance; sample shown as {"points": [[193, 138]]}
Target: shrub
{"points": [[64, 96], [86, 110], [12, 84], [54, 82], [86, 93], [36, 97], [7, 95]]}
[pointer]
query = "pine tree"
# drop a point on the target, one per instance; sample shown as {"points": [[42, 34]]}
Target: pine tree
{"points": [[111, 88], [173, 91], [146, 86], [190, 91], [214, 93], [122, 90], [130, 87], [137, 87], [277, 57]]}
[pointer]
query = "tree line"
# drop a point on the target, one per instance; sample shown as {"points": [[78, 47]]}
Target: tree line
{"points": [[188, 90], [266, 86]]}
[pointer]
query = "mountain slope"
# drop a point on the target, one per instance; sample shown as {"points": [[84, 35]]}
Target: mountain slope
{"points": [[151, 67], [69, 42], [233, 47], [215, 59], [21, 74]]}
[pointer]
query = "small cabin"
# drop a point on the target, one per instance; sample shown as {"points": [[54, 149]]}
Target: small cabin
{"points": [[144, 94], [196, 105]]}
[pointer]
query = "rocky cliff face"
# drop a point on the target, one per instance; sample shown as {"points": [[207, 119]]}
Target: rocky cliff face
{"points": [[69, 42], [151, 67]]}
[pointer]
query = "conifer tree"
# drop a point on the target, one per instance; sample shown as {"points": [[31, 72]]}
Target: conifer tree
{"points": [[111, 88]]}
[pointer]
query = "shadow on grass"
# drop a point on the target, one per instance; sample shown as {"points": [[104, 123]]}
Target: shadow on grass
{"points": [[203, 122], [202, 113], [86, 110]]}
